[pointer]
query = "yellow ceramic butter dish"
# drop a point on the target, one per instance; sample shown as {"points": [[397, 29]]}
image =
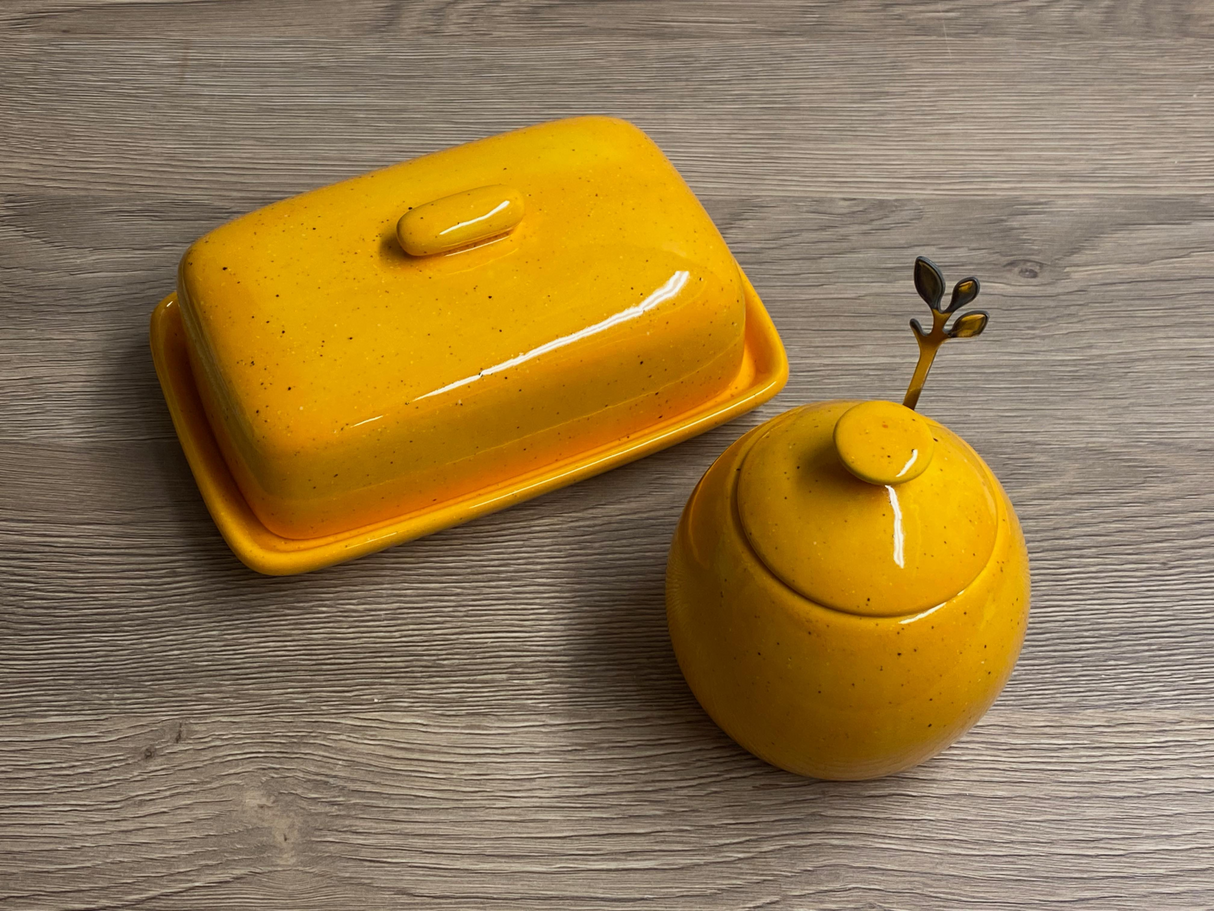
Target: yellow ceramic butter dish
{"points": [[848, 587], [375, 360]]}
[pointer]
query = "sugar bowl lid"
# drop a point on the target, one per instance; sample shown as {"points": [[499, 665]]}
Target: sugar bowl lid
{"points": [[867, 508], [871, 508]]}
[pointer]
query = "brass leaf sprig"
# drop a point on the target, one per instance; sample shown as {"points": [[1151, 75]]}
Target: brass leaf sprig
{"points": [[929, 282]]}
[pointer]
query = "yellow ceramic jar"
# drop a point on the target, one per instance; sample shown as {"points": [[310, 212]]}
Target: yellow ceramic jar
{"points": [[848, 589]]}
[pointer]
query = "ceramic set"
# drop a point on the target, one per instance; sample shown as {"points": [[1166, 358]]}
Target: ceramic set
{"points": [[372, 361]]}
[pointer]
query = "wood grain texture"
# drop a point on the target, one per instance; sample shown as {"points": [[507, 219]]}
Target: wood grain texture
{"points": [[492, 717]]}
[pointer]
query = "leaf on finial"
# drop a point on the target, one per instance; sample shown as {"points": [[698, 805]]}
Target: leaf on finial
{"points": [[964, 293], [929, 282], [969, 324]]}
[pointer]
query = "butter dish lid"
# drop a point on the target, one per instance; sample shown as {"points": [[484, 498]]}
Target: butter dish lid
{"points": [[413, 283], [867, 508]]}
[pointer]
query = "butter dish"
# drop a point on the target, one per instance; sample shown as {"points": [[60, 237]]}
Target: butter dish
{"points": [[375, 360]]}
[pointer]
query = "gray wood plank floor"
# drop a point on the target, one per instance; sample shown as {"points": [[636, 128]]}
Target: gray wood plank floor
{"points": [[492, 717]]}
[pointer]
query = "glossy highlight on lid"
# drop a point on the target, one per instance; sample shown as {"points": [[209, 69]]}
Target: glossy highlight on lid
{"points": [[668, 290]]}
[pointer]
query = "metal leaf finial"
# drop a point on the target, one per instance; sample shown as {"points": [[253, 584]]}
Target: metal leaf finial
{"points": [[929, 282]]}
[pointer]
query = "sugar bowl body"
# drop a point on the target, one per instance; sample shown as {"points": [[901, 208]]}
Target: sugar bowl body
{"points": [[848, 589]]}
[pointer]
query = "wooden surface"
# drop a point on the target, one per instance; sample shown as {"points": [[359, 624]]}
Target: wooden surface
{"points": [[492, 717]]}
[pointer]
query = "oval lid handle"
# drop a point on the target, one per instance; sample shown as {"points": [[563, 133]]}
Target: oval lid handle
{"points": [[460, 220], [884, 443]]}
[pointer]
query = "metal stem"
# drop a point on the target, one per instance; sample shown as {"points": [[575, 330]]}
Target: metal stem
{"points": [[928, 346]]}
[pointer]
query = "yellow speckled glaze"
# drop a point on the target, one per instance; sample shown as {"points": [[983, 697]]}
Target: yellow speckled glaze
{"points": [[839, 628], [349, 382]]}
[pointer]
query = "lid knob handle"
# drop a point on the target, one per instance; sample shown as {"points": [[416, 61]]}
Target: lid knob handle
{"points": [[884, 443], [460, 220]]}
